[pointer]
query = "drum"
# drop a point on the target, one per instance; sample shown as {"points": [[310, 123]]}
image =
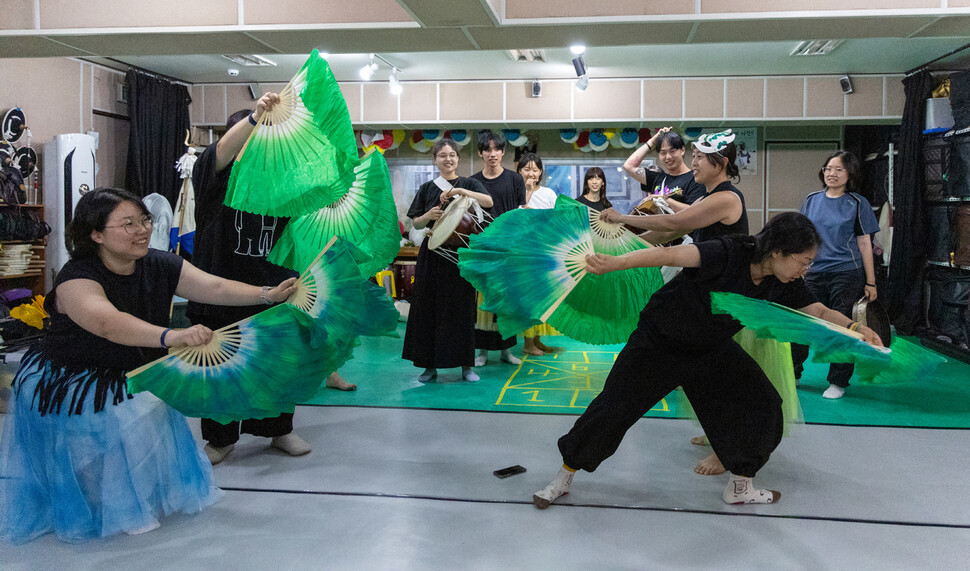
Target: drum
{"points": [[462, 217]]}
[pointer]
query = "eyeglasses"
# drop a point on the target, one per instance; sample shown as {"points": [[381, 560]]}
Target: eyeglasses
{"points": [[833, 170], [131, 226], [807, 265], [452, 156]]}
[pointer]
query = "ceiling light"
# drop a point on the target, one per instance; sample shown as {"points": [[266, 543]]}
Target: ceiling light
{"points": [[582, 83], [577, 49], [395, 84], [580, 66], [368, 70]]}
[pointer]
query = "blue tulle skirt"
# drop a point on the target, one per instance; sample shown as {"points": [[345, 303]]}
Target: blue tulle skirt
{"points": [[84, 466]]}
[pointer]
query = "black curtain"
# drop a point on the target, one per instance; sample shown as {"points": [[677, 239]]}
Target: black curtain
{"points": [[158, 111], [904, 292]]}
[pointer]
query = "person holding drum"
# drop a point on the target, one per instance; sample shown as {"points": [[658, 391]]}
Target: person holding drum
{"points": [[538, 197], [441, 325], [675, 184], [844, 269]]}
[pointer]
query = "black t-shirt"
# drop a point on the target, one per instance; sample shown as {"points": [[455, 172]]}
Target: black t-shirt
{"points": [[230, 243], [146, 294], [600, 205], [663, 183], [428, 195], [718, 228], [507, 191], [681, 310]]}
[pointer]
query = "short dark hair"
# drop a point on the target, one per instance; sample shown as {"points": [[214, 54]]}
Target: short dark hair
{"points": [[527, 158], [673, 140], [486, 138], [597, 172], [442, 143], [852, 167], [789, 233], [729, 152], [237, 117], [91, 214]]}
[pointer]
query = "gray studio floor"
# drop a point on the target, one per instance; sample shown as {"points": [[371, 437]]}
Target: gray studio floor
{"points": [[413, 489]]}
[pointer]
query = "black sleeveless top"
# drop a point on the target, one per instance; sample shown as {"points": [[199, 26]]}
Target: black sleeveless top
{"points": [[718, 228]]}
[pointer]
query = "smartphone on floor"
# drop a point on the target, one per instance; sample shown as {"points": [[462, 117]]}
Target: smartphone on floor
{"points": [[510, 471]]}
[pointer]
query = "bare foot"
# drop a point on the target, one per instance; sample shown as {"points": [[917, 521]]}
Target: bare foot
{"points": [[710, 466], [335, 381], [548, 349], [700, 440], [530, 349]]}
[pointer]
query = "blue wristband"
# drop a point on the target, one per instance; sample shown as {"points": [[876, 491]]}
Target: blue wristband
{"points": [[164, 333], [252, 120]]}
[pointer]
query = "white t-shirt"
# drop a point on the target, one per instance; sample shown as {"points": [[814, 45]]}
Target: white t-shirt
{"points": [[543, 197]]}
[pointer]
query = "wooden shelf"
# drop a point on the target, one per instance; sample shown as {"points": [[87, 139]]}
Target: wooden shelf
{"points": [[5, 205], [27, 275]]}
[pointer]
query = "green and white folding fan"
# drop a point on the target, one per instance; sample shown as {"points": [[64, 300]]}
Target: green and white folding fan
{"points": [[830, 343], [366, 216], [605, 309], [302, 153], [340, 302], [526, 262], [256, 368]]}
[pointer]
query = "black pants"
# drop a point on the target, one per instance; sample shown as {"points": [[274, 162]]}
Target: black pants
{"points": [[220, 435], [837, 291], [735, 403]]}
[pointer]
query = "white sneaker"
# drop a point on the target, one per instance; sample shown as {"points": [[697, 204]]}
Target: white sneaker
{"points": [[741, 490], [291, 444], [470, 375], [481, 359], [833, 392], [219, 454], [556, 488], [509, 358]]}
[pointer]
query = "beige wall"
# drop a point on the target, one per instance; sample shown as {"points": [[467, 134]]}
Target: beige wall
{"points": [[62, 96]]}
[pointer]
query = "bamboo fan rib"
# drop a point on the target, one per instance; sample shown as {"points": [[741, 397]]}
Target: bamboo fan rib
{"points": [[256, 368], [302, 153], [830, 343], [366, 216]]}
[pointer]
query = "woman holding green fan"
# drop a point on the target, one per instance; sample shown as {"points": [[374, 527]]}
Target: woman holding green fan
{"points": [[679, 341], [441, 324], [80, 457]]}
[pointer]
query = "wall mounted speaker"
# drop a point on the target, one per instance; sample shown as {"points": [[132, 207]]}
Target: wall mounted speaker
{"points": [[846, 84]]}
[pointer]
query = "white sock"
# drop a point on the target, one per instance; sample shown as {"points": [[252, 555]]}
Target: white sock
{"points": [[469, 375], [741, 490], [509, 358], [427, 375], [556, 488]]}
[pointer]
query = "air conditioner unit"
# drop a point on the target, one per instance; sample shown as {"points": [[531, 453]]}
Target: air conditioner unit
{"points": [[69, 172], [526, 56]]}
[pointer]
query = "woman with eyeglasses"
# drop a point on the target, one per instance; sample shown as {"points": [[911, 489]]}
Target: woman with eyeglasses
{"points": [[844, 270], [441, 324], [80, 457], [680, 341]]}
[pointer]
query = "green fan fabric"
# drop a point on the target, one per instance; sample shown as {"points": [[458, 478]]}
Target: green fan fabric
{"points": [[525, 261], [341, 303], [366, 216], [605, 309], [261, 375], [905, 362], [302, 154]]}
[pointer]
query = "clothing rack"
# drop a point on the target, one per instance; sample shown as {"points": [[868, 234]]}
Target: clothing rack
{"points": [[923, 67]]}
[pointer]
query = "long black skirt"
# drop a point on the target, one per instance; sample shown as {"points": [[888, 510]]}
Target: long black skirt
{"points": [[441, 323]]}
